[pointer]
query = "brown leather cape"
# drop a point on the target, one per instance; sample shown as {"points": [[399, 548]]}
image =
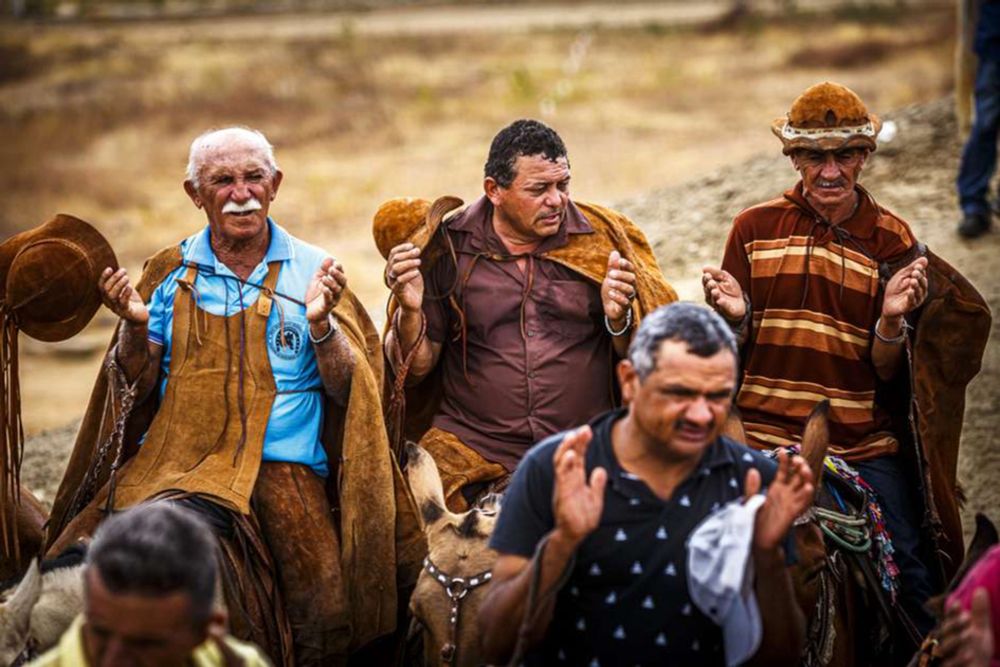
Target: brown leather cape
{"points": [[945, 351], [410, 409], [380, 534]]}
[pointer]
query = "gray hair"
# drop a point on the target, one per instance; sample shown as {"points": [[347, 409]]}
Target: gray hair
{"points": [[206, 141], [157, 549], [704, 331]]}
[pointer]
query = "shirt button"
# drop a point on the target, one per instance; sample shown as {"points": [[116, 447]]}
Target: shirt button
{"points": [[531, 375], [530, 334]]}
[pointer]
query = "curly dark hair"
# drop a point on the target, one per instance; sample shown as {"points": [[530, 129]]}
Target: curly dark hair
{"points": [[522, 137]]}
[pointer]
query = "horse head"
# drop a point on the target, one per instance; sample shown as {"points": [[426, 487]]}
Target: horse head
{"points": [[456, 575], [36, 612]]}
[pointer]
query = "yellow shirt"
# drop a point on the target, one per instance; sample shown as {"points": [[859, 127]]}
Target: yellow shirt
{"points": [[69, 652]]}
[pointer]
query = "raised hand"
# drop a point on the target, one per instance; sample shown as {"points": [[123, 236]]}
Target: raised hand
{"points": [[906, 290], [618, 288], [402, 273], [967, 638], [788, 496], [325, 289], [120, 297], [577, 505], [723, 293]]}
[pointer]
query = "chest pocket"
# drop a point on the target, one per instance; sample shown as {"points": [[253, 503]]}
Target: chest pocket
{"points": [[569, 308]]}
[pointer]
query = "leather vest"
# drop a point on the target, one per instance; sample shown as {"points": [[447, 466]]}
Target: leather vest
{"points": [[207, 436]]}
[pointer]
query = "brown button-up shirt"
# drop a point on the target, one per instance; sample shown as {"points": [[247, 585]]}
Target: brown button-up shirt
{"points": [[536, 359]]}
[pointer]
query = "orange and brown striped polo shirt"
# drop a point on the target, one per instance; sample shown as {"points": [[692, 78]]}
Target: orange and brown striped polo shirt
{"points": [[814, 295]]}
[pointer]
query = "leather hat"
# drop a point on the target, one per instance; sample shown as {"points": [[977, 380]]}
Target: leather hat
{"points": [[406, 219], [827, 117], [48, 277]]}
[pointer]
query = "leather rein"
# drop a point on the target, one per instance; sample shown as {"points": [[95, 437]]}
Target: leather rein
{"points": [[456, 588]]}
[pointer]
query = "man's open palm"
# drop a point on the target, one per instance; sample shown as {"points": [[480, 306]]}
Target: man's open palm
{"points": [[723, 293], [577, 504], [789, 495]]}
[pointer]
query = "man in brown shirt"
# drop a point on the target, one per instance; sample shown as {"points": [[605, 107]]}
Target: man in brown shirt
{"points": [[525, 315]]}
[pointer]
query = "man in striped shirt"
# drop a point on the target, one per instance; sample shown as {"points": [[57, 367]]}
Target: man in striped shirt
{"points": [[806, 285]]}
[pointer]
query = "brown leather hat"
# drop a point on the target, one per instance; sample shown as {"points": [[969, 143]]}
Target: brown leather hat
{"points": [[48, 277], [827, 117], [406, 219]]}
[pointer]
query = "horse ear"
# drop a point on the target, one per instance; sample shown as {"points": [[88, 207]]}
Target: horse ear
{"points": [[15, 613], [733, 428], [816, 440], [984, 538], [985, 535], [425, 483]]}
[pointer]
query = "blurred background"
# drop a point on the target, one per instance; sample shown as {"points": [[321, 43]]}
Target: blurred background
{"points": [[664, 106]]}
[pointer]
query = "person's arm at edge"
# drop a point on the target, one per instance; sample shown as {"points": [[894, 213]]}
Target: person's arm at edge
{"points": [[502, 612], [784, 634], [784, 626], [576, 510]]}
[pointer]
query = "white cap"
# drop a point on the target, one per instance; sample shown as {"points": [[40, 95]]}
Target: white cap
{"points": [[721, 576]]}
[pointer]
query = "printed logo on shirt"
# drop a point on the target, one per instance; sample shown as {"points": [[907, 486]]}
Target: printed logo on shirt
{"points": [[287, 342]]}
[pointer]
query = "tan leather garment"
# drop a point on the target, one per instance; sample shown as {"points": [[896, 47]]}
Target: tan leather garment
{"points": [[208, 434]]}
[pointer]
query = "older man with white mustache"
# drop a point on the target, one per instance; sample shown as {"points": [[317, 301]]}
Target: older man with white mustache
{"points": [[252, 344]]}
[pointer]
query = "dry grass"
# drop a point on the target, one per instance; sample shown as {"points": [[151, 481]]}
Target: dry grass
{"points": [[96, 120]]}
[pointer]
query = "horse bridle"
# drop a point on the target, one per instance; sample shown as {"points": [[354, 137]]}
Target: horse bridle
{"points": [[456, 588]]}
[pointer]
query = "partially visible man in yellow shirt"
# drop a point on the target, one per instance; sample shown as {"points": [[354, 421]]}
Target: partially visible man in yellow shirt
{"points": [[149, 597]]}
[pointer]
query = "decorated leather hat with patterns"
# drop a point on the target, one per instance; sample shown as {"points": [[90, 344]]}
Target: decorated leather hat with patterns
{"points": [[827, 117], [48, 277], [409, 220]]}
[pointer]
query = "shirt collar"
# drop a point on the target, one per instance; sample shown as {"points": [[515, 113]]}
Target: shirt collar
{"points": [[719, 454], [477, 221], [200, 250], [861, 224]]}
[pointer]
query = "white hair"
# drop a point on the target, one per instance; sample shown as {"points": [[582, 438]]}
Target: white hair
{"points": [[214, 139]]}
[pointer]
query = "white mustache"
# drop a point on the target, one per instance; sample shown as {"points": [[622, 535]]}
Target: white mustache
{"points": [[251, 204]]}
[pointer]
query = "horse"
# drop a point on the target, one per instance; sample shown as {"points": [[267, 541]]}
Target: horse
{"points": [[37, 610], [851, 621], [457, 570]]}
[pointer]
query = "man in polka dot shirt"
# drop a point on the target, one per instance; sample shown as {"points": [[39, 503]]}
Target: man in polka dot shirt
{"points": [[618, 498]]}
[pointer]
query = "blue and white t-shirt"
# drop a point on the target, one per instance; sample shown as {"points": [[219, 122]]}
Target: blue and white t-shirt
{"points": [[293, 429]]}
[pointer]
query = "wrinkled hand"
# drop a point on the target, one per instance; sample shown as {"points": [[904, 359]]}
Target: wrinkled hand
{"points": [[723, 293], [577, 505], [788, 496], [120, 297], [906, 290], [618, 288], [325, 289], [402, 273], [967, 638]]}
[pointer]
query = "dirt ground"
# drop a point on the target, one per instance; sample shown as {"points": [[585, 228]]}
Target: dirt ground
{"points": [[671, 123]]}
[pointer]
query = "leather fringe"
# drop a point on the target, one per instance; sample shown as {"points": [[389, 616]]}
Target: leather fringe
{"points": [[11, 437]]}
